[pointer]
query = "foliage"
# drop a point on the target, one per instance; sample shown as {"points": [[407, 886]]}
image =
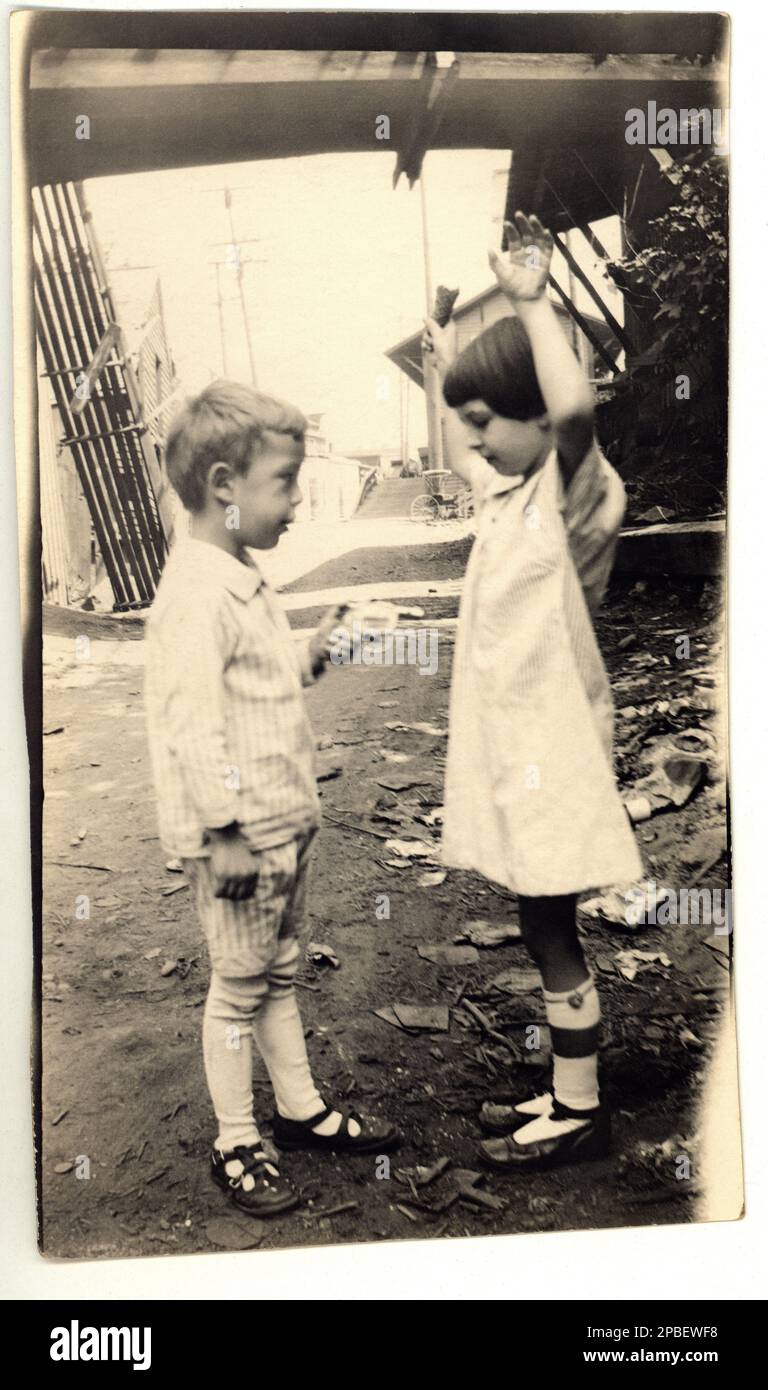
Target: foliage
{"points": [[678, 284]]}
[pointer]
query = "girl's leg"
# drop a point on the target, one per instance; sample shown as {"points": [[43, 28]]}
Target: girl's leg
{"points": [[570, 1126], [549, 931]]}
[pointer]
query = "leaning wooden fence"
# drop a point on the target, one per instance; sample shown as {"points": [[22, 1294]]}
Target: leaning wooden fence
{"points": [[97, 396]]}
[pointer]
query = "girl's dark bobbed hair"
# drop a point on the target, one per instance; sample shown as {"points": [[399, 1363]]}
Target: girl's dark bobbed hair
{"points": [[497, 367]]}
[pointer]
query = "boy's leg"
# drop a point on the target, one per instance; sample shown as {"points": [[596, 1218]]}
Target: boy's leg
{"points": [[563, 1128], [236, 944], [278, 1029], [279, 1036], [228, 1023], [243, 939]]}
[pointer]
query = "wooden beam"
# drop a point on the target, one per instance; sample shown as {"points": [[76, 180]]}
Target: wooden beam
{"points": [[76, 69], [613, 323], [584, 325], [174, 108]]}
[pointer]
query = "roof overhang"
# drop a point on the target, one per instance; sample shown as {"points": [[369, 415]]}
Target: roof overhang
{"points": [[170, 108]]}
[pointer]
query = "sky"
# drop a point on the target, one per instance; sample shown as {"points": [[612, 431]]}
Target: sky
{"points": [[336, 272]]}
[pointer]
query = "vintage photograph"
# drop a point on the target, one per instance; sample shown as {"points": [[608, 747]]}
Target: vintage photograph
{"points": [[372, 419]]}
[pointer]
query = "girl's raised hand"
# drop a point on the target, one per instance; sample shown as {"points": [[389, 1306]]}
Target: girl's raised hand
{"points": [[440, 345], [522, 270]]}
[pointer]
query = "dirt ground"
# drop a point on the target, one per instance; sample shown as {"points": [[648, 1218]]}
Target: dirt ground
{"points": [[126, 1126]]}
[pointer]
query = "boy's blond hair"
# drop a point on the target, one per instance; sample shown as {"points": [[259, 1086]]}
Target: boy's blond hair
{"points": [[222, 424]]}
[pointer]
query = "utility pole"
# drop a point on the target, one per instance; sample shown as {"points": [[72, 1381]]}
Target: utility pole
{"points": [[222, 333], [236, 263], [431, 383]]}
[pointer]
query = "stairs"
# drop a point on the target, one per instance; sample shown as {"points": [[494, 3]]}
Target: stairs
{"points": [[390, 497]]}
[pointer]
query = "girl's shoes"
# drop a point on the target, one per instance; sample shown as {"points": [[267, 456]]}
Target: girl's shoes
{"points": [[253, 1183], [300, 1134], [500, 1120], [590, 1138]]}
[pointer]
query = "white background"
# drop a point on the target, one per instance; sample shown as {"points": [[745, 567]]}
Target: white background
{"points": [[718, 1261]]}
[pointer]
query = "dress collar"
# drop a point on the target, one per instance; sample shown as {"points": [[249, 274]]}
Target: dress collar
{"points": [[504, 482], [508, 482], [242, 577]]}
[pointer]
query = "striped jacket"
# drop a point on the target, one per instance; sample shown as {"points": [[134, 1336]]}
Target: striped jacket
{"points": [[229, 735]]}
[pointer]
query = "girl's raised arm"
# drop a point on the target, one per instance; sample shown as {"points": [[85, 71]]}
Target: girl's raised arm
{"points": [[522, 275]]}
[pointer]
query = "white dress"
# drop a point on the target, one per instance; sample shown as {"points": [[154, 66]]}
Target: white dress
{"points": [[531, 801]]}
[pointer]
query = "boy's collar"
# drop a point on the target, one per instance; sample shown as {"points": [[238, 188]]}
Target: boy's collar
{"points": [[241, 577]]}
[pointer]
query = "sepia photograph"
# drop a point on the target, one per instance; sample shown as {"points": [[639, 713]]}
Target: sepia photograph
{"points": [[371, 412]]}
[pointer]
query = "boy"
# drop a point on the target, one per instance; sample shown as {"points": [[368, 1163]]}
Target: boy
{"points": [[233, 753]]}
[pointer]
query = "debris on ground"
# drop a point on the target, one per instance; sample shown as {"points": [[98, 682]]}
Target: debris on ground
{"points": [[466, 1182], [659, 1029], [432, 879], [181, 966], [175, 866], [516, 981], [427, 1018], [403, 782], [671, 1161], [331, 1211], [440, 954], [420, 727], [411, 849], [629, 907], [630, 963], [422, 1176], [674, 778], [230, 1234], [320, 954], [330, 773], [489, 934]]}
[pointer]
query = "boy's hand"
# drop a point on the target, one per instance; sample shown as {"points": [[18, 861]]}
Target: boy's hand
{"points": [[320, 642], [440, 345], [522, 271], [233, 863]]}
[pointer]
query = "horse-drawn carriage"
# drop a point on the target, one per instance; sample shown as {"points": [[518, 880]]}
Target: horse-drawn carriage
{"points": [[446, 497]]}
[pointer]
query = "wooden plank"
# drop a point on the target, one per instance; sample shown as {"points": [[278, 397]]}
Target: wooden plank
{"points": [[94, 369], [613, 323], [83, 68], [584, 325]]}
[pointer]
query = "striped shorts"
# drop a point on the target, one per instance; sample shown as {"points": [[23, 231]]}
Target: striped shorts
{"points": [[244, 937]]}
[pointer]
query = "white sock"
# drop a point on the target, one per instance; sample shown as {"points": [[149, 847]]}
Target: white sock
{"points": [[233, 1169], [545, 1127], [279, 1035], [575, 1078], [227, 1055], [537, 1105]]}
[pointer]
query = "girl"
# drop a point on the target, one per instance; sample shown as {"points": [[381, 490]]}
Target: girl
{"points": [[530, 798]]}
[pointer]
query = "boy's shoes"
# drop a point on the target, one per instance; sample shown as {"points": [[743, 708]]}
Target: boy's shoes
{"points": [[575, 1136], [500, 1120], [300, 1134], [253, 1182]]}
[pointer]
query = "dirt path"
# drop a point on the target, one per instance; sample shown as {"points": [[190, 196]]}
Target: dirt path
{"points": [[125, 1100]]}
